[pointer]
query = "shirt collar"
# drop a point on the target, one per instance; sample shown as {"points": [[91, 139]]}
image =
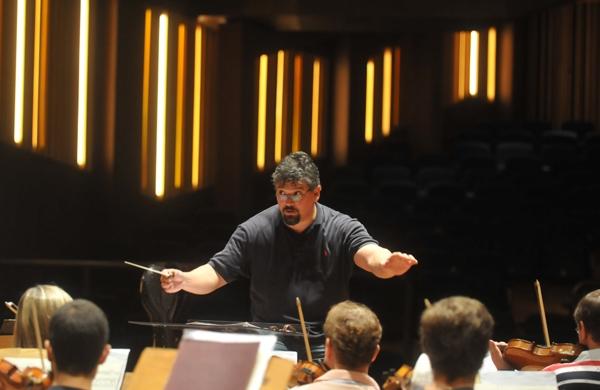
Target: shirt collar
{"points": [[349, 375], [591, 354]]}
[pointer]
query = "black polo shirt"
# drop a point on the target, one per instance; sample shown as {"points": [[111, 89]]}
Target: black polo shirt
{"points": [[281, 264]]}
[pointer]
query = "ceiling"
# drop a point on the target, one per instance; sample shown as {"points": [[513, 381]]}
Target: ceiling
{"points": [[369, 15]]}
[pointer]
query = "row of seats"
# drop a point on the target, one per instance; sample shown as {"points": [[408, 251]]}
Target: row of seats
{"points": [[457, 212]]}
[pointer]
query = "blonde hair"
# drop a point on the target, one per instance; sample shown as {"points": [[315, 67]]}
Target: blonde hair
{"points": [[46, 299]]}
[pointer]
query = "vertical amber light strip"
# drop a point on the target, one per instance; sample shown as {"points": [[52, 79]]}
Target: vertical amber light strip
{"points": [[43, 76], [473, 63], [181, 44], [279, 105], [491, 65], [19, 71], [146, 98], [84, 25], [396, 83], [161, 104], [462, 57], [36, 74], [386, 98], [262, 112], [369, 101], [297, 118], [197, 107], [316, 105]]}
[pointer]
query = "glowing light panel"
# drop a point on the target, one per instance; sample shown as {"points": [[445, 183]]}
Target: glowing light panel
{"points": [[369, 101], [161, 104], [491, 65], [473, 63], [197, 107], [262, 112], [84, 26], [386, 98], [19, 71], [314, 139], [279, 105]]}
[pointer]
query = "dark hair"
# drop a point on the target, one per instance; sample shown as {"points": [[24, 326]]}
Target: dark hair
{"points": [[588, 311], [355, 333], [297, 167], [78, 335], [454, 334]]}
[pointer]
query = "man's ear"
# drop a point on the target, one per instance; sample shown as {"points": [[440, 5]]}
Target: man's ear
{"points": [[582, 332], [317, 192], [104, 354], [49, 352], [329, 355], [376, 353]]}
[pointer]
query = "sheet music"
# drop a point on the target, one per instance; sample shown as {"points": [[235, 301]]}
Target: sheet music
{"points": [[109, 376], [287, 355], [247, 354]]}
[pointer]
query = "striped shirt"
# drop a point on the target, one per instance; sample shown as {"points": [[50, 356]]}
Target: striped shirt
{"points": [[581, 374]]}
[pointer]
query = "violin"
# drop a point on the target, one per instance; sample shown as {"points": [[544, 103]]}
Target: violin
{"points": [[31, 378], [306, 372], [527, 355], [399, 380]]}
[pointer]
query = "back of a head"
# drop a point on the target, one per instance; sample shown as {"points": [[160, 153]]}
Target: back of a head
{"points": [[588, 311], [355, 333], [78, 334], [43, 300], [454, 333], [297, 167]]}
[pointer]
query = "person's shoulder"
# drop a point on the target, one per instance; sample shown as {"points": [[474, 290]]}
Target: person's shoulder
{"points": [[334, 217], [330, 213], [267, 217], [575, 365]]}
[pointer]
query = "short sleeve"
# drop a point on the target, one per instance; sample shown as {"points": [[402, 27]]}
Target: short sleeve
{"points": [[356, 236], [232, 263]]}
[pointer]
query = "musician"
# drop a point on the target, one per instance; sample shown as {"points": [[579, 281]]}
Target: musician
{"points": [[44, 300], [454, 333], [296, 248], [584, 372], [353, 333], [77, 344]]}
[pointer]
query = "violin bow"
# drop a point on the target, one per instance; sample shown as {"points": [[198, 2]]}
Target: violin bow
{"points": [[538, 290], [38, 336], [304, 333]]}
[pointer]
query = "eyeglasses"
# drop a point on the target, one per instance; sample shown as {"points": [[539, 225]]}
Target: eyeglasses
{"points": [[294, 197]]}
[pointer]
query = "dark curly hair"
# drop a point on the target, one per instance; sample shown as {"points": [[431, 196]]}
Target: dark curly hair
{"points": [[294, 168]]}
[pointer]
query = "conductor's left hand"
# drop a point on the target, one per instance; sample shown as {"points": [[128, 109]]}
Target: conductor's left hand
{"points": [[399, 263]]}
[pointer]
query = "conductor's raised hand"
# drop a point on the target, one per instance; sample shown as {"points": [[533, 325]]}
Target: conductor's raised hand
{"points": [[398, 263], [174, 281]]}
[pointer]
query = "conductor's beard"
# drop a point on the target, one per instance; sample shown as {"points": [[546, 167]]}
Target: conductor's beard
{"points": [[291, 215]]}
